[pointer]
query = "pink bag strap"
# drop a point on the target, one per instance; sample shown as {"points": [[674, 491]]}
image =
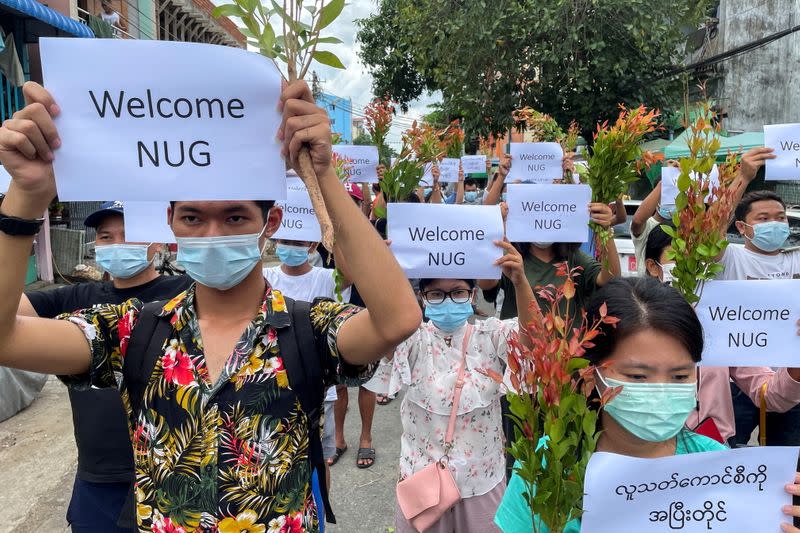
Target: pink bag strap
{"points": [[451, 426]]}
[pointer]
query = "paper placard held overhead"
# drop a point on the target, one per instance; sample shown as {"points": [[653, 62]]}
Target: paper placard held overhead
{"points": [[446, 241], [299, 221], [548, 213], [5, 179], [363, 162], [535, 162], [427, 177], [750, 323], [142, 130], [474, 164], [724, 492], [669, 183], [448, 167], [785, 139], [147, 222]]}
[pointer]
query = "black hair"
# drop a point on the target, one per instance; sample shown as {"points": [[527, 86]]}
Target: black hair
{"points": [[657, 241], [641, 304], [423, 283], [743, 209], [470, 181], [564, 251], [265, 206]]}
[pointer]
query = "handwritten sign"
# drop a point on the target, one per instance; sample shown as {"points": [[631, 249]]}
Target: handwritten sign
{"points": [[474, 164], [427, 177], [750, 323], [5, 179], [147, 222], [669, 183], [726, 491], [548, 213], [535, 162], [299, 221], [785, 139], [363, 162], [139, 130], [448, 167], [446, 241]]}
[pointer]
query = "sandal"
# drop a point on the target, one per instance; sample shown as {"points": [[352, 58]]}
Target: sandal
{"points": [[336, 456], [383, 400], [365, 454]]}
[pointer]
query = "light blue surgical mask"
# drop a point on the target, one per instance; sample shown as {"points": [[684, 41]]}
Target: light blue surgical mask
{"points": [[769, 236], [448, 316], [122, 261], [471, 196], [291, 255], [219, 262], [666, 211], [654, 412]]}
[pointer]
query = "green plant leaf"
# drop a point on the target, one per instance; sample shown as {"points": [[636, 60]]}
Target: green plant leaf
{"points": [[328, 58], [321, 40], [267, 37], [228, 10], [286, 18], [329, 13]]}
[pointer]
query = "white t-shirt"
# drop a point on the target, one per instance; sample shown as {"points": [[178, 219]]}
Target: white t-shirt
{"points": [[741, 263], [640, 244], [318, 283]]}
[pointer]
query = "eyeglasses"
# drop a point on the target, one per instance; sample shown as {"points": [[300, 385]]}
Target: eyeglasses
{"points": [[459, 296]]}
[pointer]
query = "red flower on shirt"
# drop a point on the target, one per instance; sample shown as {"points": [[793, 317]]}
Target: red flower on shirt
{"points": [[177, 366], [124, 331], [294, 524]]}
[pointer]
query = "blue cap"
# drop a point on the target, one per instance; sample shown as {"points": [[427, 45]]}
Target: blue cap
{"points": [[108, 208]]}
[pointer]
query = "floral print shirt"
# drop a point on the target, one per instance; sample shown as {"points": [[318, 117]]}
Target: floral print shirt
{"points": [[428, 364], [224, 457]]}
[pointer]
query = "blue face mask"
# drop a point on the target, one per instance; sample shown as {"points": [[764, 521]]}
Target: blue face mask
{"points": [[654, 412], [291, 255], [122, 261], [448, 316], [769, 236], [471, 196], [666, 211], [219, 262]]}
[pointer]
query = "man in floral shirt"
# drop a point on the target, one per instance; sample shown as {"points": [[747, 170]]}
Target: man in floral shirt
{"points": [[220, 439]]}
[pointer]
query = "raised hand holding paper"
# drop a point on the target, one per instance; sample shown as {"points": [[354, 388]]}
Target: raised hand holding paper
{"points": [[669, 183], [139, 130], [363, 162], [548, 213], [147, 222], [446, 241], [535, 162], [448, 167], [299, 221], [726, 491], [474, 164], [750, 323], [785, 140]]}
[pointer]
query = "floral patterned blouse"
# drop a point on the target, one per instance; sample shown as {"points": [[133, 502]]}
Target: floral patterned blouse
{"points": [[224, 457], [428, 364]]}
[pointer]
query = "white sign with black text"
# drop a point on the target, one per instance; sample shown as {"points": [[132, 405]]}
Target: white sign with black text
{"points": [[535, 162], [785, 140], [725, 491], [548, 213], [750, 322], [299, 221], [141, 130], [362, 162], [474, 164], [669, 183], [147, 222], [446, 241], [448, 169]]}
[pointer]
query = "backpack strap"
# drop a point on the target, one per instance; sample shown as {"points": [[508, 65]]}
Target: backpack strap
{"points": [[300, 356]]}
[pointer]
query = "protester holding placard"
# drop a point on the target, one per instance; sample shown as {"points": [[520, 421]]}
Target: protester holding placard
{"points": [[652, 212], [428, 364], [714, 416], [236, 328]]}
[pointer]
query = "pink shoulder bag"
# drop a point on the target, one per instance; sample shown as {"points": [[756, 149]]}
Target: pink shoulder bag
{"points": [[428, 494]]}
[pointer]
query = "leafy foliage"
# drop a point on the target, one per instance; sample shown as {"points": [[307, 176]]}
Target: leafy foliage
{"points": [[571, 59], [379, 114], [426, 142]]}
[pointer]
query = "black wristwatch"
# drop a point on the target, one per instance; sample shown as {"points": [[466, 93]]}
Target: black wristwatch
{"points": [[20, 226]]}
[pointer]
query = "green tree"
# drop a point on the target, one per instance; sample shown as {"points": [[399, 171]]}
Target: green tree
{"points": [[363, 139], [571, 59]]}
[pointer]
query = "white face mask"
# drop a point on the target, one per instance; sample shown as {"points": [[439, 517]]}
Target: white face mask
{"points": [[666, 272]]}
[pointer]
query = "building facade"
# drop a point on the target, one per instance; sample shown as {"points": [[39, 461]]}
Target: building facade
{"points": [[340, 111]]}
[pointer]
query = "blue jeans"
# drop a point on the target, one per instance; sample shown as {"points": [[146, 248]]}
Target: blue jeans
{"points": [[783, 429], [96, 507]]}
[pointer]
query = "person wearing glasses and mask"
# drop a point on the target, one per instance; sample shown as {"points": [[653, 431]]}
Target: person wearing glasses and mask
{"points": [[428, 363]]}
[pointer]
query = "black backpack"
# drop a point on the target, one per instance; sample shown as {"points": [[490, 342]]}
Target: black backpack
{"points": [[300, 357]]}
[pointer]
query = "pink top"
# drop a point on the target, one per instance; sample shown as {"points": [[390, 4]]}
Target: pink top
{"points": [[715, 400]]}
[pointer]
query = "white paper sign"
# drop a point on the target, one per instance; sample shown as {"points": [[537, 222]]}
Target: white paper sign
{"points": [[548, 213], [785, 139], [5, 179], [446, 241], [147, 222], [750, 323], [197, 124], [535, 162], [669, 183], [299, 221], [725, 492], [448, 167], [363, 162], [427, 177], [474, 164]]}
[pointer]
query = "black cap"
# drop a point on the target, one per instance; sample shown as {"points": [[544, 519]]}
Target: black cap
{"points": [[108, 208]]}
